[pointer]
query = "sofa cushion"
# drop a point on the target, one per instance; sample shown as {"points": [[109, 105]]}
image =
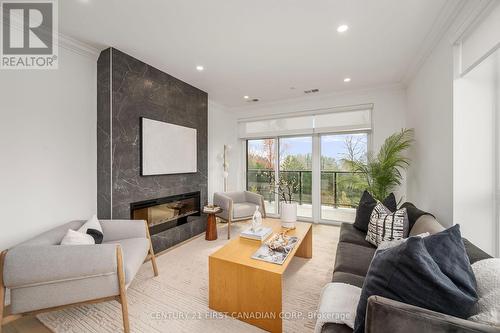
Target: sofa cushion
{"points": [[365, 208], [53, 236], [353, 258], [245, 209], [134, 251], [349, 234], [335, 328], [349, 278], [426, 223], [475, 254], [413, 213], [431, 272]]}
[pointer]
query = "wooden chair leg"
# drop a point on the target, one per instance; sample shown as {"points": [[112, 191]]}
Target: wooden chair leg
{"points": [[153, 261], [151, 252], [123, 291], [2, 288]]}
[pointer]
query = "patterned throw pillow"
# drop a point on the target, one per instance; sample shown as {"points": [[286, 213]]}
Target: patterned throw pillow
{"points": [[386, 226]]}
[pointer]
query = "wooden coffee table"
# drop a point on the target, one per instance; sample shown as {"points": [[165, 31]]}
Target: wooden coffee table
{"points": [[250, 289]]}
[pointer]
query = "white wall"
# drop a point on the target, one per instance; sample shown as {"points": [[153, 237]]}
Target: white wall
{"points": [[474, 142], [476, 195], [388, 113], [430, 113], [222, 129], [48, 147]]}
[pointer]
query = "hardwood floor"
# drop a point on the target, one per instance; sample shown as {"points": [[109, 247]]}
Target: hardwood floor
{"points": [[31, 324], [26, 325]]}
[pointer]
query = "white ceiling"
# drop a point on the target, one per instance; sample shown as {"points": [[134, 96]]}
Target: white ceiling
{"points": [[261, 48]]}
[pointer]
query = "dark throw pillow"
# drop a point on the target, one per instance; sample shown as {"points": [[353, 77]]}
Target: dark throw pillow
{"points": [[431, 272], [96, 234], [365, 208]]}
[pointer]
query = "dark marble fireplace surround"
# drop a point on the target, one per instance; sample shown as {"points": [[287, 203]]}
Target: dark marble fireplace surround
{"points": [[128, 89]]}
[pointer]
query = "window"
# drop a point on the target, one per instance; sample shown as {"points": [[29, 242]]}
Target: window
{"points": [[261, 159], [338, 188], [296, 162], [313, 147]]}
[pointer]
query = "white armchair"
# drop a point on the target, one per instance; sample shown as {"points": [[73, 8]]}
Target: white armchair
{"points": [[44, 276], [238, 206]]}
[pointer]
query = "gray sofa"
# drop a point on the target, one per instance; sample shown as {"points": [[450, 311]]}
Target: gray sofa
{"points": [[353, 258], [238, 206], [43, 275]]}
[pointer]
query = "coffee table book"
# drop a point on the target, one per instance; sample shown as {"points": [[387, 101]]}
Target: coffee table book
{"points": [[264, 253], [259, 234]]}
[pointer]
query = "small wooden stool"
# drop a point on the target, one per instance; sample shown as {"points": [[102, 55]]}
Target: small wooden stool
{"points": [[211, 233]]}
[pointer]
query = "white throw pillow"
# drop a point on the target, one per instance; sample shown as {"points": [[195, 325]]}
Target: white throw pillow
{"points": [[487, 308], [385, 225], [92, 223], [338, 304], [93, 228], [73, 237]]}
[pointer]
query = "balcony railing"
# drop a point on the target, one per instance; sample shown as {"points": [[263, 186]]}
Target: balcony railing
{"points": [[338, 188]]}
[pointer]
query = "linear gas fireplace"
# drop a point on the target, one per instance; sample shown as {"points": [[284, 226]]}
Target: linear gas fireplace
{"points": [[168, 212]]}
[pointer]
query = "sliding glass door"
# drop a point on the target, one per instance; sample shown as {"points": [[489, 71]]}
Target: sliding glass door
{"points": [[341, 188], [261, 159], [296, 164], [320, 164]]}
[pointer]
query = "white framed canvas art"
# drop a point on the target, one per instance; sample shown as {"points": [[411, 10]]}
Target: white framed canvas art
{"points": [[167, 148]]}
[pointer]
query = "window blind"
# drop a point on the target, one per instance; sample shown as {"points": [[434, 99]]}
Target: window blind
{"points": [[326, 121]]}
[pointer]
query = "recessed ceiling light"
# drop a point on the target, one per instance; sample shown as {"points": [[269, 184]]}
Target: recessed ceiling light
{"points": [[347, 79], [199, 68], [342, 28], [246, 97]]}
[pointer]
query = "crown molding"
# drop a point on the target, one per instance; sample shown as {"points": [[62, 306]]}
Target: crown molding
{"points": [[77, 47], [456, 20], [438, 30], [471, 15], [66, 42]]}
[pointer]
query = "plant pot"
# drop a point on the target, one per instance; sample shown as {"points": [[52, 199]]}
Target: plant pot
{"points": [[288, 214]]}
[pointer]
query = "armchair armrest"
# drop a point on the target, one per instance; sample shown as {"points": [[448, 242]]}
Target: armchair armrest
{"points": [[122, 229], [42, 264], [257, 199], [386, 315], [224, 202]]}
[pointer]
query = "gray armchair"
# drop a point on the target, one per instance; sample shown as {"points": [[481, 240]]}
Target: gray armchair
{"points": [[238, 206], [44, 276]]}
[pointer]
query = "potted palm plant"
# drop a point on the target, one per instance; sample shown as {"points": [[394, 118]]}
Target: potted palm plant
{"points": [[383, 170], [286, 187]]}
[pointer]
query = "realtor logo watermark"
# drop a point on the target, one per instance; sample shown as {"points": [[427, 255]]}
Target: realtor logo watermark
{"points": [[29, 34]]}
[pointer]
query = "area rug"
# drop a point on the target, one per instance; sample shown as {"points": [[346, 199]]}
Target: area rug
{"points": [[177, 300]]}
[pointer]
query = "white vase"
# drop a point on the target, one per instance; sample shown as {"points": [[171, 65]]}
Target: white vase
{"points": [[288, 214]]}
